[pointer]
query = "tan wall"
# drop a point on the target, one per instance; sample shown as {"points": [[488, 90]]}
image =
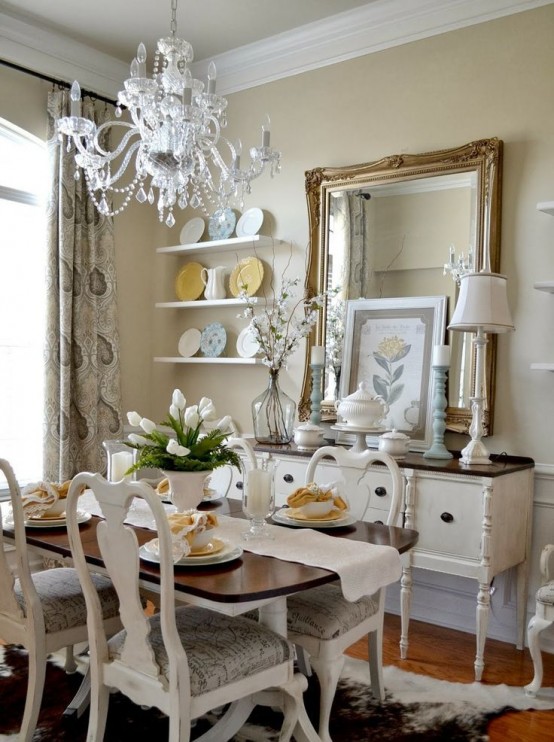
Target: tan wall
{"points": [[490, 80]]}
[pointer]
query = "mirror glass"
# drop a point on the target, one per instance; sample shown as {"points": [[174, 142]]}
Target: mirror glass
{"points": [[387, 229]]}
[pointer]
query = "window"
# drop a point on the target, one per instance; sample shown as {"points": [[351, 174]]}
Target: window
{"points": [[23, 180]]}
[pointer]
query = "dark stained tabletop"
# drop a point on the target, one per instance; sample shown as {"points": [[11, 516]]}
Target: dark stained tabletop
{"points": [[251, 577]]}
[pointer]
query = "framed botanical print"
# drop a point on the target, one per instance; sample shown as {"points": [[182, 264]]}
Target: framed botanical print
{"points": [[389, 345]]}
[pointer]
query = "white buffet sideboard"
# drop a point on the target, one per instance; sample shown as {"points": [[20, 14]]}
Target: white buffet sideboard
{"points": [[473, 522]]}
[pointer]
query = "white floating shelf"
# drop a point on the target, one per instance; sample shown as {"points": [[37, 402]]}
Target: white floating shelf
{"points": [[205, 303], [546, 206], [542, 367], [544, 286], [224, 361], [233, 243]]}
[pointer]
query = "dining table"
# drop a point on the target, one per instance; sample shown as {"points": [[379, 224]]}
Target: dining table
{"points": [[252, 581]]}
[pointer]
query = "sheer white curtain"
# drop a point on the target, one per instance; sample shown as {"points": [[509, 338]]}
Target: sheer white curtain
{"points": [[82, 384]]}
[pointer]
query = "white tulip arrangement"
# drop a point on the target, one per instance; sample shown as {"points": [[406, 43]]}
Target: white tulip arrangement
{"points": [[189, 449]]}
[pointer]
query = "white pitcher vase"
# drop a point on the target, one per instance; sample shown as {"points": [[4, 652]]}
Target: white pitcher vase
{"points": [[213, 280]]}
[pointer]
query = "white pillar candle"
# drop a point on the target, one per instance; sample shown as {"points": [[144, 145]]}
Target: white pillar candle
{"points": [[258, 492], [317, 357], [119, 463], [441, 355]]}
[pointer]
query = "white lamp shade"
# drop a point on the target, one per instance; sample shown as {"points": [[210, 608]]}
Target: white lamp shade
{"points": [[482, 303]]}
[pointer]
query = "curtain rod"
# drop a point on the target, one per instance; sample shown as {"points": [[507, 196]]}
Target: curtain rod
{"points": [[54, 81]]}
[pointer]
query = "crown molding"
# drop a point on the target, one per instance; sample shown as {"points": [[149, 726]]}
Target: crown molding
{"points": [[370, 28]]}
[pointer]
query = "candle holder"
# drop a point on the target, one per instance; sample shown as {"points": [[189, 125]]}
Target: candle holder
{"points": [[258, 499], [438, 450], [317, 393]]}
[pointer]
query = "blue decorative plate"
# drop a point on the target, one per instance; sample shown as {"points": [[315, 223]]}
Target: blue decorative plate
{"points": [[213, 340], [221, 224]]}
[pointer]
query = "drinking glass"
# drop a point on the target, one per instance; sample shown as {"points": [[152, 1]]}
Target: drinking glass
{"points": [[258, 499]]}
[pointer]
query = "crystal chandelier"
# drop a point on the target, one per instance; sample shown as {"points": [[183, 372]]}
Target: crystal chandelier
{"points": [[174, 139]]}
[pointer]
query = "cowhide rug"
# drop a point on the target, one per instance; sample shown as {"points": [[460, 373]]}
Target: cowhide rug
{"points": [[416, 708]]}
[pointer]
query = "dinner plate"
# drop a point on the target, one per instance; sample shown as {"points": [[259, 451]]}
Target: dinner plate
{"points": [[247, 345], [281, 516], [213, 340], [189, 342], [192, 231], [250, 222], [228, 553], [82, 517], [213, 547], [247, 274], [188, 284], [221, 224]]}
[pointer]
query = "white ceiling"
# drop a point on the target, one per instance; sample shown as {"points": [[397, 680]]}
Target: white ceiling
{"points": [[253, 41]]}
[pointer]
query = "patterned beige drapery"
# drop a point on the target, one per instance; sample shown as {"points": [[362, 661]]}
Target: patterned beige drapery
{"points": [[82, 382]]}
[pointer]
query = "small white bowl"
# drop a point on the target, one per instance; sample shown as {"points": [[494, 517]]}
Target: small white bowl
{"points": [[57, 508], [317, 509], [203, 538]]}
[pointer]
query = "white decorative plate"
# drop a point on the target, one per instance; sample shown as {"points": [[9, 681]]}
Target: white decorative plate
{"points": [[192, 231], [228, 553], [247, 345], [250, 222], [82, 517], [189, 342], [213, 340], [281, 516], [221, 224]]}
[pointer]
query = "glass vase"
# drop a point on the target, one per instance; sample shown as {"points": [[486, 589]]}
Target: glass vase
{"points": [[273, 413]]}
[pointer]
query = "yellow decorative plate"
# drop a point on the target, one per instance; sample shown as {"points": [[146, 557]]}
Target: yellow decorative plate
{"points": [[247, 274], [188, 284]]}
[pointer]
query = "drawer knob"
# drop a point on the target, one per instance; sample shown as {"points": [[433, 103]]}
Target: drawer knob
{"points": [[288, 478], [447, 517], [239, 485], [380, 522], [380, 491]]}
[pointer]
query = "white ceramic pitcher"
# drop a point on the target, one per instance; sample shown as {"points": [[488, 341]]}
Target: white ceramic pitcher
{"points": [[212, 278]]}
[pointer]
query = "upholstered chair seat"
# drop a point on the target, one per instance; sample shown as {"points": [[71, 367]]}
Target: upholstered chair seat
{"points": [[324, 613], [63, 603]]}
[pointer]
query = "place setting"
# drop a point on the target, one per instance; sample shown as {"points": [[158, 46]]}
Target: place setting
{"points": [[43, 506], [315, 506], [196, 541]]}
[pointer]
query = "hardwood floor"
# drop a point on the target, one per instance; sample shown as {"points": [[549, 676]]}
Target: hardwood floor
{"points": [[448, 655]]}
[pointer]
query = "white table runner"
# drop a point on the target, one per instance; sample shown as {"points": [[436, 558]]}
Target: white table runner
{"points": [[363, 568]]}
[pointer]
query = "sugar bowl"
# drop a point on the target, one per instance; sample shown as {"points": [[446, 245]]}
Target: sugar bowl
{"points": [[395, 443]]}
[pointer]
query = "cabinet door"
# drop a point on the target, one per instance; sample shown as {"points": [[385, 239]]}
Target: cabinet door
{"points": [[448, 517]]}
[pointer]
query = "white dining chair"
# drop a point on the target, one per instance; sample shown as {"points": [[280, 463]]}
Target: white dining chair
{"points": [[543, 618], [183, 661], [320, 620], [43, 611]]}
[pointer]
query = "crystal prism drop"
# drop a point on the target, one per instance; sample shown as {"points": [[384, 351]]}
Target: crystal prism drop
{"points": [[141, 195], [170, 221], [150, 196]]}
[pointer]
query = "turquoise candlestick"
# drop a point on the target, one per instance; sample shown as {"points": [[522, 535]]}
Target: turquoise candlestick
{"points": [[438, 450]]}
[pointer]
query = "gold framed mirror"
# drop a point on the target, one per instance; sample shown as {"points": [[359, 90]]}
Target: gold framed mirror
{"points": [[387, 229]]}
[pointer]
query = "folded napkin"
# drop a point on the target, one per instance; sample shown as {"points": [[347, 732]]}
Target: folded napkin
{"points": [[313, 492], [37, 498], [185, 527], [363, 568]]}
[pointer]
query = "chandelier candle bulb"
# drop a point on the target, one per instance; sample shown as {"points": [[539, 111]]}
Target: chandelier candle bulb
{"points": [[441, 356], [266, 131], [317, 357], [211, 78], [259, 493], [75, 96], [119, 463]]}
